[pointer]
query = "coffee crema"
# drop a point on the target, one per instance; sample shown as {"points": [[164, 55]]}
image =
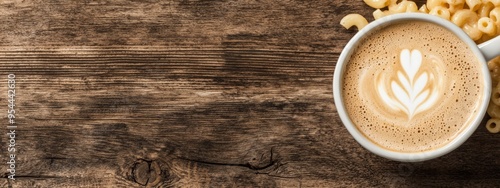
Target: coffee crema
{"points": [[412, 87]]}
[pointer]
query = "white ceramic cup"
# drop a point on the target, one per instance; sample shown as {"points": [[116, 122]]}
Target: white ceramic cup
{"points": [[484, 52]]}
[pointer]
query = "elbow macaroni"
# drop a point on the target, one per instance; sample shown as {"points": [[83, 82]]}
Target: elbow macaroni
{"points": [[378, 14], [423, 9], [354, 20], [473, 31], [377, 3], [493, 110], [455, 2], [493, 125], [485, 9], [411, 7], [441, 12], [494, 67], [480, 19], [461, 17], [487, 26], [495, 16], [495, 96], [455, 8], [495, 2], [473, 4], [403, 6], [435, 3]]}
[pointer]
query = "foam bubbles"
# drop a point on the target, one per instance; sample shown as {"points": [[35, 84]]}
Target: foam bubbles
{"points": [[389, 128]]}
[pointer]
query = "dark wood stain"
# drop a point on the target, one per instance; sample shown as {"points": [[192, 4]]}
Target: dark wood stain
{"points": [[198, 93]]}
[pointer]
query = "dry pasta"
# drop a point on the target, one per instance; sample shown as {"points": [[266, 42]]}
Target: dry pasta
{"points": [[464, 16], [377, 3], [495, 16], [455, 2], [493, 110], [485, 9], [441, 12], [403, 6], [423, 9], [495, 2], [455, 8], [495, 95], [494, 67], [493, 125], [434, 3], [378, 14], [487, 26], [393, 2], [473, 4], [473, 31], [354, 20]]}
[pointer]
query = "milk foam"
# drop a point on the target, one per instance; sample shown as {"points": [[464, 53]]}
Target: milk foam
{"points": [[409, 92], [412, 87]]}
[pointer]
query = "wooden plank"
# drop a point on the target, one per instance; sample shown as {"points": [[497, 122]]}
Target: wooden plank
{"points": [[195, 94]]}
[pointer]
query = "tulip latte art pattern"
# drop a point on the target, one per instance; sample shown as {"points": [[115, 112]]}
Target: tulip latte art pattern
{"points": [[409, 91]]}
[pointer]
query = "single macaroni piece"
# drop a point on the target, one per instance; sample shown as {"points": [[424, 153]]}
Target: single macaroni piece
{"points": [[393, 2], [485, 9], [411, 7], [495, 16], [434, 3], [493, 125], [473, 31], [493, 110], [455, 2], [354, 20], [441, 12], [461, 17], [487, 26], [495, 95], [492, 65], [485, 38], [377, 3], [403, 6], [379, 14], [473, 4], [423, 9], [495, 2], [455, 8]]}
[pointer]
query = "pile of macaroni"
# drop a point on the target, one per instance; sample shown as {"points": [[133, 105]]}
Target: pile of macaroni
{"points": [[480, 19]]}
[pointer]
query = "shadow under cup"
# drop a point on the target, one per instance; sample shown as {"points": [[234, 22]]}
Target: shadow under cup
{"points": [[405, 86]]}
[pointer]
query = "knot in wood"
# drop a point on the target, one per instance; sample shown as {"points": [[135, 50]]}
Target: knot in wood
{"points": [[261, 160], [146, 173]]}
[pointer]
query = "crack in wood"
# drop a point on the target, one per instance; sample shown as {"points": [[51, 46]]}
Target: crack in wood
{"points": [[246, 165], [271, 163]]}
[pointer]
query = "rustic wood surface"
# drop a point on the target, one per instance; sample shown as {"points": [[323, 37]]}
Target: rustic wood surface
{"points": [[195, 93]]}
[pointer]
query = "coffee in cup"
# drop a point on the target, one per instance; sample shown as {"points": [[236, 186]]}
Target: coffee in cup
{"points": [[412, 87]]}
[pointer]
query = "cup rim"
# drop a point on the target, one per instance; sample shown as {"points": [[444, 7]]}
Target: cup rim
{"points": [[407, 156]]}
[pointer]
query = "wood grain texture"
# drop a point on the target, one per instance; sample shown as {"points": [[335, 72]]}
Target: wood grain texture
{"points": [[195, 93]]}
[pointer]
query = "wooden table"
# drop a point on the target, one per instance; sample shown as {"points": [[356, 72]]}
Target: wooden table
{"points": [[195, 93]]}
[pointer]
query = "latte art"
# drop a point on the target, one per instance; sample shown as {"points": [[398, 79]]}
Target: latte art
{"points": [[411, 90], [412, 87]]}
